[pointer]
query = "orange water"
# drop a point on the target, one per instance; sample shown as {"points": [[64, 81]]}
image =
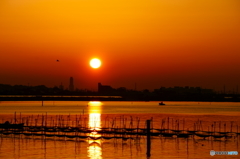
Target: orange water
{"points": [[176, 115]]}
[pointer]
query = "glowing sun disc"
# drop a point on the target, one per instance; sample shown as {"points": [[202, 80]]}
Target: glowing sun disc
{"points": [[95, 63]]}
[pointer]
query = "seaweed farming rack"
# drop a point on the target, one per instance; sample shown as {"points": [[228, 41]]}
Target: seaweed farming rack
{"points": [[78, 127]]}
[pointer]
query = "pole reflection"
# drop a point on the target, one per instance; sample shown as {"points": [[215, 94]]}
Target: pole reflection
{"points": [[94, 124]]}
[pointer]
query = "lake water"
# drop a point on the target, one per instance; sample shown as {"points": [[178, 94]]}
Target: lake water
{"points": [[200, 116]]}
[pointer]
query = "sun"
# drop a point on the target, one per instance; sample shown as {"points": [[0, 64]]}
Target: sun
{"points": [[95, 63]]}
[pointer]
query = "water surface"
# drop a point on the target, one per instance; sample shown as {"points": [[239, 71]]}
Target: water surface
{"points": [[215, 116]]}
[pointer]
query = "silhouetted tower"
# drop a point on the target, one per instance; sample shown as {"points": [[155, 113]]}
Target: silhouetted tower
{"points": [[71, 86]]}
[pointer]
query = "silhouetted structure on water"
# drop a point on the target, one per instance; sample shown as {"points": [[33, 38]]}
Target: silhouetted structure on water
{"points": [[71, 86]]}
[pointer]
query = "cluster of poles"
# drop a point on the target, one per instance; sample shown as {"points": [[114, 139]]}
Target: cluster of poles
{"points": [[122, 127]]}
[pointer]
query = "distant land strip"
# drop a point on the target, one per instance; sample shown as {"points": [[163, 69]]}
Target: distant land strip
{"points": [[58, 98], [111, 98]]}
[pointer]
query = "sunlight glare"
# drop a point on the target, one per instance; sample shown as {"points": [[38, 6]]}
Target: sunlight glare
{"points": [[95, 63], [94, 115]]}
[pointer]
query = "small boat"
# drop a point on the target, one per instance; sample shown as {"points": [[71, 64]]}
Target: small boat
{"points": [[161, 103]]}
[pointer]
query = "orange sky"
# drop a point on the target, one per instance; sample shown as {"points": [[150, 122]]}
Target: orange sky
{"points": [[151, 42]]}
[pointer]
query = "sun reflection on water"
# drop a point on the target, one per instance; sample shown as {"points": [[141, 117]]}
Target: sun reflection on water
{"points": [[94, 148], [94, 109]]}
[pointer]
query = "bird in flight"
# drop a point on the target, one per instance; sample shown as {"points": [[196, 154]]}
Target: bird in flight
{"points": [[57, 60]]}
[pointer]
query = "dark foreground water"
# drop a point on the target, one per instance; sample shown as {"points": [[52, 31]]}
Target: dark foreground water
{"points": [[203, 116]]}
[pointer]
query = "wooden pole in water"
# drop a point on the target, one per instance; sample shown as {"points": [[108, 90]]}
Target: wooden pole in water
{"points": [[168, 125], [148, 122], [46, 120], [178, 124], [42, 120], [214, 127], [138, 121], [220, 126], [20, 118], [15, 118], [183, 123], [152, 123]]}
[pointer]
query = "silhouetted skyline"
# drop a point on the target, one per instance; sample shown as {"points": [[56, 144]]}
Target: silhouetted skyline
{"points": [[42, 92]]}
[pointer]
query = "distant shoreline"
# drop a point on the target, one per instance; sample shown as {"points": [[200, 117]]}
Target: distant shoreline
{"points": [[99, 98]]}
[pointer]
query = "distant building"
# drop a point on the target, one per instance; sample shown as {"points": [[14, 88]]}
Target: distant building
{"points": [[104, 88], [71, 86]]}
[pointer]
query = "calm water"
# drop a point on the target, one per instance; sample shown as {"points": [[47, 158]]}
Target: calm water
{"points": [[205, 116]]}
